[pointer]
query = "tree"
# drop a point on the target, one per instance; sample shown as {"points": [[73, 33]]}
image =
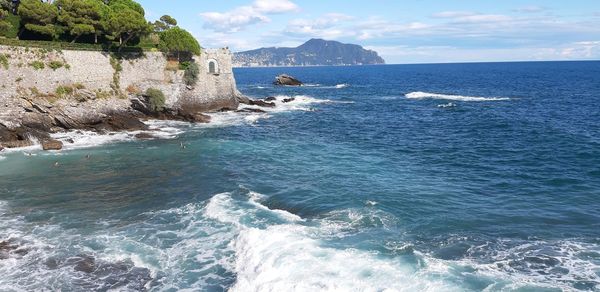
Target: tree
{"points": [[176, 41], [4, 24], [125, 23], [137, 7], [82, 17], [38, 17], [166, 22], [6, 5]]}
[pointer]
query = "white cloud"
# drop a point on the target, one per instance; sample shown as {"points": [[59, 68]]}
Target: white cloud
{"points": [[274, 6], [233, 21], [243, 16], [323, 27], [530, 9], [470, 17], [588, 50], [452, 14]]}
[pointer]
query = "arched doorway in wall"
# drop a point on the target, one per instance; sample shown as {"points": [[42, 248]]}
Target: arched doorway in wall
{"points": [[213, 66]]}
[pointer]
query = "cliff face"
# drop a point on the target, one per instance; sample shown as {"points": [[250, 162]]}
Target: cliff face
{"points": [[43, 91], [315, 52]]}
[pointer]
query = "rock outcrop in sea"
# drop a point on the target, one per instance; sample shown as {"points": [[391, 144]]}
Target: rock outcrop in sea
{"points": [[287, 80]]}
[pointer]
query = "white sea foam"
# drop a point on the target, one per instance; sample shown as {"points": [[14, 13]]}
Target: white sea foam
{"points": [[290, 256], [87, 139], [425, 95], [299, 103], [340, 86], [447, 105]]}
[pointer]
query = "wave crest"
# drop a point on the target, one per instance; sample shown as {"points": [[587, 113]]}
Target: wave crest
{"points": [[425, 95]]}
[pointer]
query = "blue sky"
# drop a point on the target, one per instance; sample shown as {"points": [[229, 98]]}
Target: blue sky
{"points": [[426, 31]]}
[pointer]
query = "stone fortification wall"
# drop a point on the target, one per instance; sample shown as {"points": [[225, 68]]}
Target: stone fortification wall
{"points": [[39, 70]]}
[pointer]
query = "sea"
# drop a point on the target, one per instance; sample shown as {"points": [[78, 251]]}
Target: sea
{"points": [[435, 177]]}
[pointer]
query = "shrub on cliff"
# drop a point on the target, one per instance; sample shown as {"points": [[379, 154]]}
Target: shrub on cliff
{"points": [[177, 42], [156, 99], [190, 76]]}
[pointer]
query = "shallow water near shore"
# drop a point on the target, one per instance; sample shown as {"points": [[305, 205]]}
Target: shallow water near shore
{"points": [[368, 181]]}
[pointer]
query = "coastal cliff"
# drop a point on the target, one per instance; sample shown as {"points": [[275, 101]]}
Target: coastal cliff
{"points": [[46, 91], [315, 52]]}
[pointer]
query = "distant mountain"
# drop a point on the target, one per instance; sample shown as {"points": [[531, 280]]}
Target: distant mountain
{"points": [[315, 52]]}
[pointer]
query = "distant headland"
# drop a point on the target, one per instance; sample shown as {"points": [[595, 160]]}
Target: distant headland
{"points": [[315, 52]]}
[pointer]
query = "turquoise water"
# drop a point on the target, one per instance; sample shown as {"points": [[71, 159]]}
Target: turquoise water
{"points": [[461, 177]]}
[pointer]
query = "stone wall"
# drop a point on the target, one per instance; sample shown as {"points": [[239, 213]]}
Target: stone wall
{"points": [[94, 71]]}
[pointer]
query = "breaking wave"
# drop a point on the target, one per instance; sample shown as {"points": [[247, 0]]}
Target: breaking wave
{"points": [[425, 95]]}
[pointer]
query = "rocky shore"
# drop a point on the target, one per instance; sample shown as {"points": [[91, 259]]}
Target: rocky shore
{"points": [[30, 120]]}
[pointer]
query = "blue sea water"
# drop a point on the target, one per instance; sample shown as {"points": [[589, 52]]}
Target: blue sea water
{"points": [[454, 177]]}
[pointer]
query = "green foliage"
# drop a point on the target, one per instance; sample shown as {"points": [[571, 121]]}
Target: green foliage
{"points": [[82, 17], [176, 41], [125, 23], [56, 65], [190, 76], [156, 99], [66, 46], [102, 94], [4, 61], [9, 26], [64, 90], [166, 22], [4, 25], [127, 4], [184, 65], [116, 63], [37, 65], [39, 17], [6, 5]]}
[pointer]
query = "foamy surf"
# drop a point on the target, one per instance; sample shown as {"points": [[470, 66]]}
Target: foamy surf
{"points": [[160, 129], [276, 250], [294, 103], [426, 95]]}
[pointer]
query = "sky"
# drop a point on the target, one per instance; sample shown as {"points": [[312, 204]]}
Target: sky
{"points": [[402, 32]]}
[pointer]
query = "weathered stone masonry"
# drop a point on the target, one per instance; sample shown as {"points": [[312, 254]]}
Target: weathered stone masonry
{"points": [[214, 90]]}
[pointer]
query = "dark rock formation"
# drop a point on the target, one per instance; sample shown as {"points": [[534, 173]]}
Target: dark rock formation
{"points": [[52, 144], [201, 118], [262, 103], [287, 80], [286, 100], [250, 110], [270, 98]]}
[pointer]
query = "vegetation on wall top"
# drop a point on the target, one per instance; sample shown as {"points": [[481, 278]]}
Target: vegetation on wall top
{"points": [[100, 24]]}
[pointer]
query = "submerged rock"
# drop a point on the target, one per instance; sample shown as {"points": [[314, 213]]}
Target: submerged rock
{"points": [[262, 103], [288, 80], [270, 98], [250, 110], [17, 143], [144, 136], [86, 264], [201, 118], [286, 100], [52, 144]]}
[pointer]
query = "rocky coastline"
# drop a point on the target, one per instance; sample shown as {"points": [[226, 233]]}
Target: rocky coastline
{"points": [[29, 120]]}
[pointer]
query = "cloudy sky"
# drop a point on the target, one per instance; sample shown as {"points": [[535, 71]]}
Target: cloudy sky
{"points": [[423, 31]]}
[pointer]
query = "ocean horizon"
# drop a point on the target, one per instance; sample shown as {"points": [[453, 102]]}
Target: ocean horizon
{"points": [[413, 177]]}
